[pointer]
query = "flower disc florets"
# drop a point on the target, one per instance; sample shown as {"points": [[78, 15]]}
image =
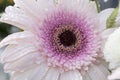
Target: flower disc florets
{"points": [[70, 40]]}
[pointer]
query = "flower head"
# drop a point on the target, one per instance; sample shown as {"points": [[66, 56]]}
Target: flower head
{"points": [[112, 53], [70, 41], [61, 40]]}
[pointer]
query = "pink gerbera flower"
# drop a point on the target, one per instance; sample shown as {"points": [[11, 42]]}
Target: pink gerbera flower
{"points": [[62, 40]]}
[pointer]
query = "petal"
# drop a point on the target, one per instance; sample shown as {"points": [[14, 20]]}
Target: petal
{"points": [[78, 5], [15, 37], [15, 16], [28, 74], [14, 52], [115, 75], [105, 34], [73, 3], [112, 49], [39, 7], [85, 76], [53, 74], [103, 16], [22, 75], [97, 72], [25, 5], [25, 63], [71, 75], [39, 73]]}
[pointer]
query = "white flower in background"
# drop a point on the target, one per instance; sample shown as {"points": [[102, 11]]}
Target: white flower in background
{"points": [[112, 53], [62, 40]]}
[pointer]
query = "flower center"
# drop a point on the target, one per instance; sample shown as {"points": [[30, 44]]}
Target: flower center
{"points": [[70, 40], [67, 38]]}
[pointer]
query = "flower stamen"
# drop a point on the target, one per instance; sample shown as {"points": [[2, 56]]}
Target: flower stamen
{"points": [[67, 38]]}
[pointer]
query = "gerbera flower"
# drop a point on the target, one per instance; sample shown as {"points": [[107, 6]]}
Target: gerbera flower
{"points": [[62, 40], [112, 54]]}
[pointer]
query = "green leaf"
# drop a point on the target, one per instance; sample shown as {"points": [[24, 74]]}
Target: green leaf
{"points": [[111, 21]]}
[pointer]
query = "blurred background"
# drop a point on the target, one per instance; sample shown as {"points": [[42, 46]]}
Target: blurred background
{"points": [[6, 29]]}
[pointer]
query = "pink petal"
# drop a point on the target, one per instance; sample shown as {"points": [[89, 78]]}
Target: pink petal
{"points": [[14, 52], [39, 73], [53, 74], [15, 37], [25, 63], [71, 75], [96, 72], [38, 9], [16, 16]]}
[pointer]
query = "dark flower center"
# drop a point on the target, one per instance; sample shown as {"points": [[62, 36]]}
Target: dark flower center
{"points": [[67, 38]]}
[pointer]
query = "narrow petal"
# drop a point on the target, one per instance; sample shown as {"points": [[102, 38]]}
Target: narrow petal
{"points": [[15, 16], [39, 73], [103, 16], [105, 34], [71, 75], [104, 68], [14, 52], [25, 63], [115, 75], [15, 37], [79, 6], [98, 72], [38, 9], [25, 5], [73, 3], [53, 74], [23, 75], [85, 76]]}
